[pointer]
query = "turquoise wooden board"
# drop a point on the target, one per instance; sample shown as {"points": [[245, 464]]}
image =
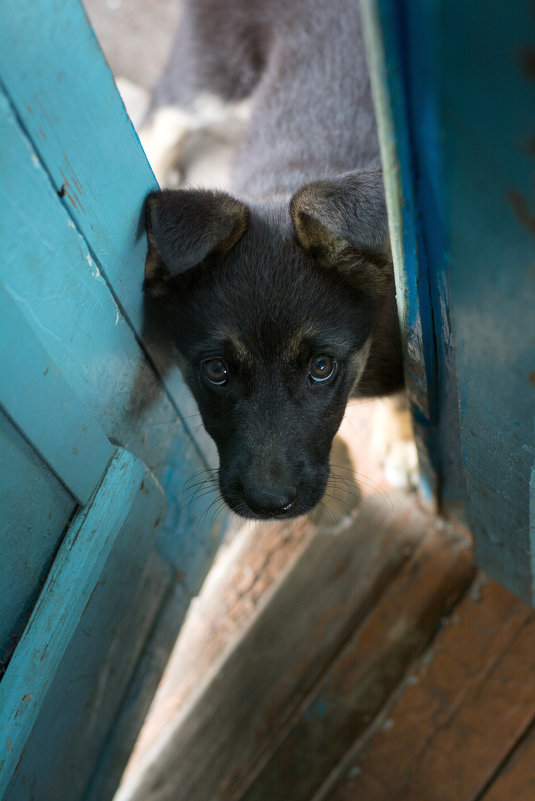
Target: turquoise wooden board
{"points": [[462, 136], [34, 509], [413, 293], [117, 749], [37, 398], [60, 291], [487, 106], [71, 262], [65, 97], [90, 586], [413, 208]]}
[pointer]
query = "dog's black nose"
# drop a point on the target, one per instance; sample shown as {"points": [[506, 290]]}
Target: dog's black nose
{"points": [[269, 503]]}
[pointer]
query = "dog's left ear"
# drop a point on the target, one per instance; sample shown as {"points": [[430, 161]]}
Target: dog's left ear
{"points": [[342, 223], [185, 226]]}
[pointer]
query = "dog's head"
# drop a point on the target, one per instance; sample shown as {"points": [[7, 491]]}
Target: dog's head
{"points": [[272, 311]]}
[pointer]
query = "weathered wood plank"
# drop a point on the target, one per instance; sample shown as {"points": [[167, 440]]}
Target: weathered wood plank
{"points": [[460, 713], [41, 403], [368, 668], [58, 287], [130, 716], [244, 711], [34, 507], [516, 780], [466, 175], [413, 291], [489, 171], [56, 656], [66, 99]]}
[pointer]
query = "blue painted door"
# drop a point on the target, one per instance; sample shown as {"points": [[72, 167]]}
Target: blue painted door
{"points": [[454, 84], [100, 542]]}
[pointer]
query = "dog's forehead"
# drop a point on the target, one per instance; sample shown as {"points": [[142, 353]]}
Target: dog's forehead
{"points": [[268, 299], [272, 306], [271, 344], [283, 332], [269, 276]]}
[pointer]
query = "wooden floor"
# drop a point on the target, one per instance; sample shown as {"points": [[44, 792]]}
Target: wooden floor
{"points": [[372, 664]]}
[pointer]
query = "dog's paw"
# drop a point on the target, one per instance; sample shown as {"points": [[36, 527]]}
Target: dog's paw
{"points": [[194, 146], [400, 465], [394, 444], [163, 137]]}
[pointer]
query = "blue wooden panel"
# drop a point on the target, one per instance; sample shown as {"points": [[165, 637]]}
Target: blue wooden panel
{"points": [[64, 94], [463, 134], [57, 669], [60, 290], [118, 748], [37, 398], [71, 258], [487, 108], [412, 285], [409, 148], [34, 509]]}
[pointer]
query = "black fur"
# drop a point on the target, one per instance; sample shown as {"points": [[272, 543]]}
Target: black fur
{"points": [[298, 267]]}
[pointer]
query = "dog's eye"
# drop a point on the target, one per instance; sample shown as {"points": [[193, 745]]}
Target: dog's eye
{"points": [[214, 372], [322, 368]]}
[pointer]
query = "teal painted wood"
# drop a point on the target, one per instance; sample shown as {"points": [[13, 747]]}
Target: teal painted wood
{"points": [[487, 106], [72, 265], [60, 290], [532, 519], [34, 509], [80, 591], [135, 706], [464, 137], [37, 398], [412, 285], [409, 147], [65, 97]]}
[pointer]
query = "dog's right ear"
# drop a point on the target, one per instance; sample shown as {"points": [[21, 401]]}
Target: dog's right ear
{"points": [[184, 226]]}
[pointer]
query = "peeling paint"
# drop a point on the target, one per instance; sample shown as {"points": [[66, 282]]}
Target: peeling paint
{"points": [[95, 270]]}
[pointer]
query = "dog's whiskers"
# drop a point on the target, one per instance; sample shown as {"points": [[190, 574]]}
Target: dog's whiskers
{"points": [[200, 484], [360, 480]]}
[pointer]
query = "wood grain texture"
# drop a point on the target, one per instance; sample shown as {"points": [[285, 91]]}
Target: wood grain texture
{"points": [[53, 658], [40, 402], [459, 185], [216, 747], [489, 170], [460, 713], [413, 286], [65, 96], [369, 667], [71, 253], [141, 690], [57, 286], [34, 507], [516, 780]]}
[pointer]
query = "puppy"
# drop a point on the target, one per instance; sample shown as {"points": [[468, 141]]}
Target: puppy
{"points": [[280, 295]]}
